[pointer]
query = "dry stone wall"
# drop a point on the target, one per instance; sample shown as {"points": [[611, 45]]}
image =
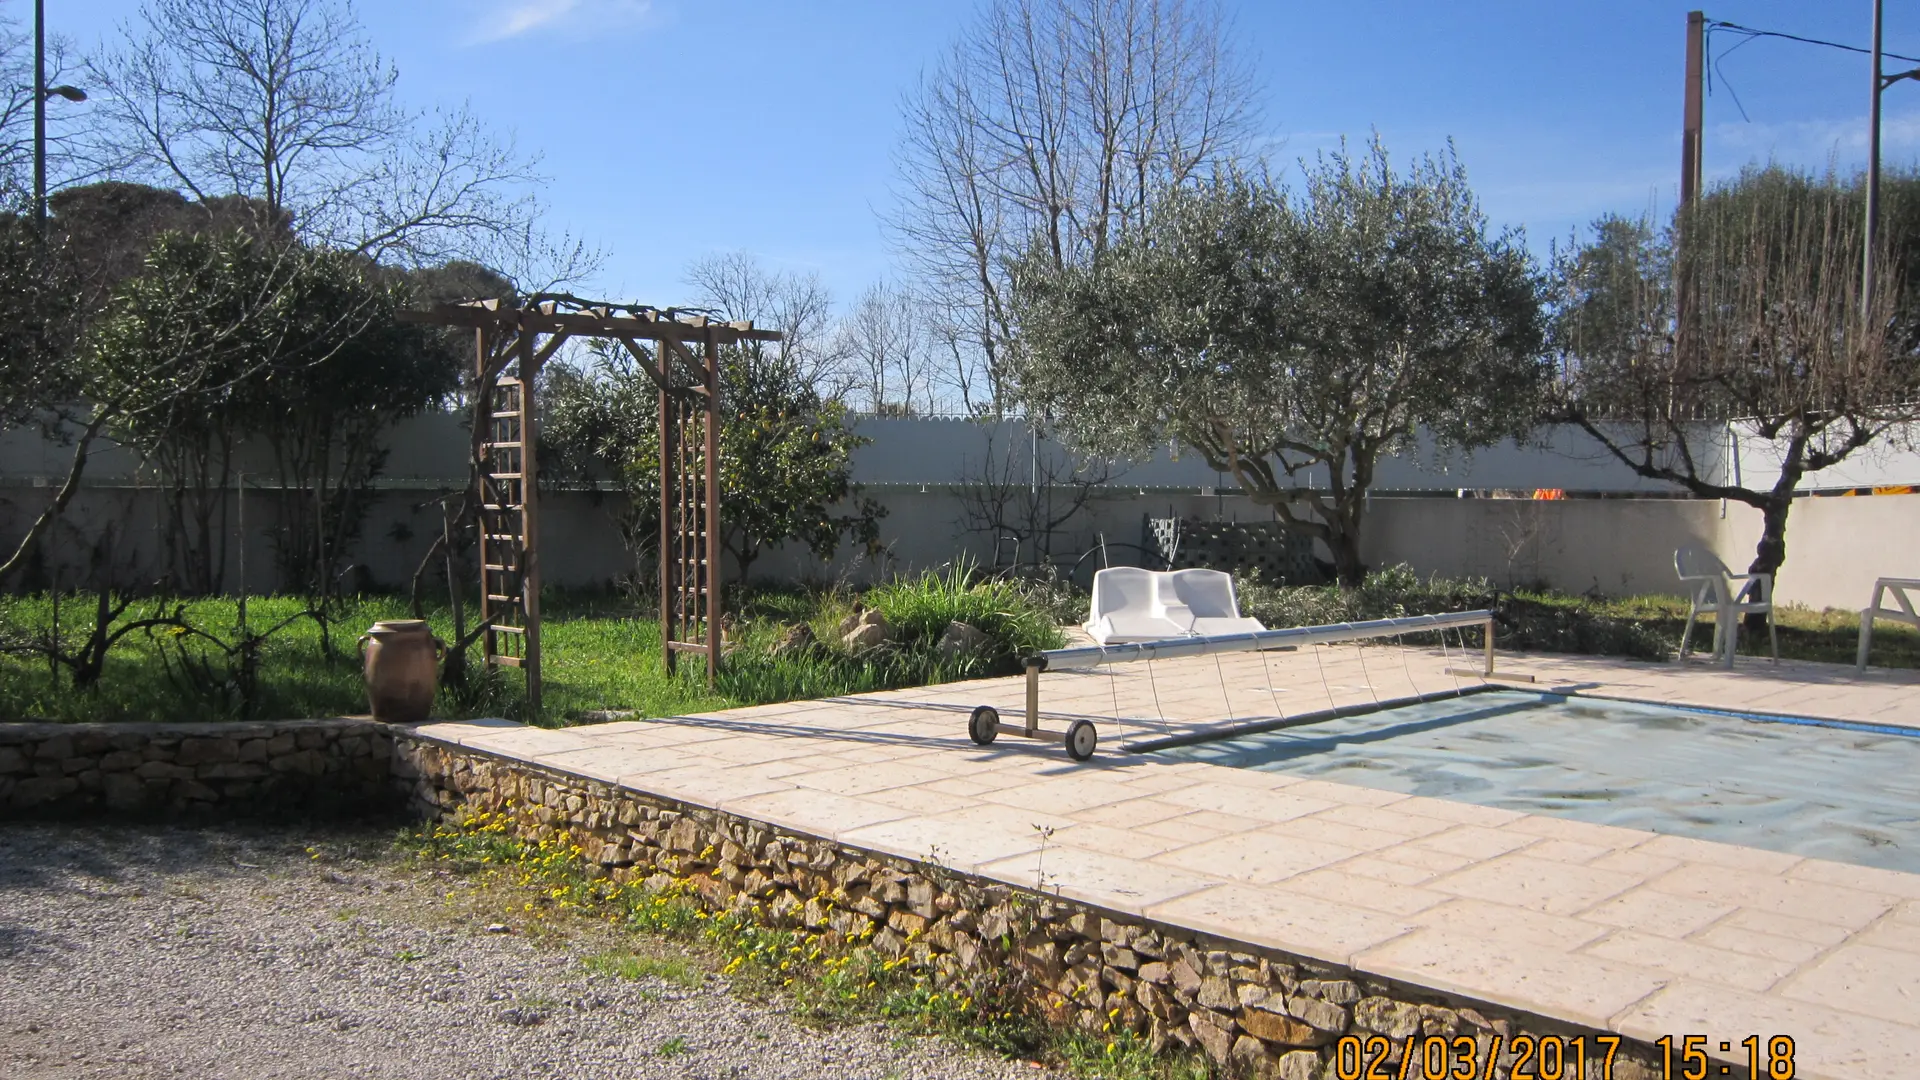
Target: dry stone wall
{"points": [[299, 768], [1256, 1013]]}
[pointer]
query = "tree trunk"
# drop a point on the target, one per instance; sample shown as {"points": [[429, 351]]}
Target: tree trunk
{"points": [[1344, 545], [1771, 552]]}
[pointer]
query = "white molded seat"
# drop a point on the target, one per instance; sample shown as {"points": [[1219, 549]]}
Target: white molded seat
{"points": [[1711, 587], [1131, 604]]}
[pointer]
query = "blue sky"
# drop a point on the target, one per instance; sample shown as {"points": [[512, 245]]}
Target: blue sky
{"points": [[675, 128]]}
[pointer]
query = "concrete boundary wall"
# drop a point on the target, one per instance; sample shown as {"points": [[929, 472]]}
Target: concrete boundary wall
{"points": [[1257, 1012], [1836, 546]]}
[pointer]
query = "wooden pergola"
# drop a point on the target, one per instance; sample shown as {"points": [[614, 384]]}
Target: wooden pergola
{"points": [[511, 344]]}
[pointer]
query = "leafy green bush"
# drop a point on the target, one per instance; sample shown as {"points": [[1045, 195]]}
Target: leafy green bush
{"points": [[919, 610], [1525, 621]]}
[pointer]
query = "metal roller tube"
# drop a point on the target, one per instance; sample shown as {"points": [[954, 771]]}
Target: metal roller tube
{"points": [[1096, 655]]}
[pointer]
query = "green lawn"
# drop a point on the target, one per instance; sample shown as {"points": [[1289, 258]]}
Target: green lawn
{"points": [[602, 652], [1828, 635]]}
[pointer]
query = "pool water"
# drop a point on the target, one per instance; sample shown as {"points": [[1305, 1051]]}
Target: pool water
{"points": [[1805, 789]]}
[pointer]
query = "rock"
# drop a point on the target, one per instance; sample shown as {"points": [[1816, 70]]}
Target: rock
{"points": [[1217, 993], [1214, 1033], [1157, 973], [797, 639], [961, 640], [1340, 992], [1250, 1058], [1185, 979], [1298, 1065], [1324, 1015], [207, 751], [871, 631], [1435, 1020], [42, 789], [124, 791], [1283, 1030], [1394, 1019]]}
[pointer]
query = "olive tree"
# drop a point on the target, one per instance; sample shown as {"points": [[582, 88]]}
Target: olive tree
{"points": [[228, 335], [1292, 339]]}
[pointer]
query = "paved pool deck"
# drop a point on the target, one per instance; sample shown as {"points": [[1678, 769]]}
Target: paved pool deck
{"points": [[1628, 931]]}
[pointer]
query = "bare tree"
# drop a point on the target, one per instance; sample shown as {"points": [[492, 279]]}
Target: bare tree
{"points": [[16, 108], [736, 285], [1055, 120], [1773, 343], [285, 102], [889, 349], [1021, 492]]}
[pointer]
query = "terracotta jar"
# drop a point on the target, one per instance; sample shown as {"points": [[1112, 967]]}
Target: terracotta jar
{"points": [[402, 661]]}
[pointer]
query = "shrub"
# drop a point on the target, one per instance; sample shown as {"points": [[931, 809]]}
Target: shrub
{"points": [[1526, 621]]}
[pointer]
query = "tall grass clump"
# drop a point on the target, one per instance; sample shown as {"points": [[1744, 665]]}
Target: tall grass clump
{"points": [[920, 608]]}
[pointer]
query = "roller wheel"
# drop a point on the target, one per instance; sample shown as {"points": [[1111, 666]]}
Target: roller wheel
{"points": [[1081, 739], [984, 724]]}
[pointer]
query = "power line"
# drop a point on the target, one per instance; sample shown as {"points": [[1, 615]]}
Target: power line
{"points": [[1748, 35], [1717, 24]]}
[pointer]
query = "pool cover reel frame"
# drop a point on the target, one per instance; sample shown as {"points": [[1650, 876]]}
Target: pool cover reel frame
{"points": [[1081, 737]]}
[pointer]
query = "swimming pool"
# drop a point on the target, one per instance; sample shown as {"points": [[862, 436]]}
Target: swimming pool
{"points": [[1848, 794]]}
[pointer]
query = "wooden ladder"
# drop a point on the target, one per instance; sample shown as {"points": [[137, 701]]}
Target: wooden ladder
{"points": [[509, 573]]}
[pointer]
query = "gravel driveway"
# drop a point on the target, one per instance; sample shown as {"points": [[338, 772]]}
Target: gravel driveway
{"points": [[238, 954]]}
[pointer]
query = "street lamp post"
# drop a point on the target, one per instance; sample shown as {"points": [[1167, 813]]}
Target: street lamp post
{"points": [[1880, 84], [41, 92]]}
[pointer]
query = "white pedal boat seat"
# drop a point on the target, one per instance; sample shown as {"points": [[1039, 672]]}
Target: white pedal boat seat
{"points": [[1131, 604]]}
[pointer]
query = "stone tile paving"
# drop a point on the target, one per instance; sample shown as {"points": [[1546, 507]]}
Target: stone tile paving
{"points": [[1630, 931]]}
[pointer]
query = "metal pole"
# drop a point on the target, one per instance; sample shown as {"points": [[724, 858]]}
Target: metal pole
{"points": [[1873, 174], [1489, 670], [1033, 699], [40, 118]]}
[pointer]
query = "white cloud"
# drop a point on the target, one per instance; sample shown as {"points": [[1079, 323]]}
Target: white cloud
{"points": [[1811, 144], [514, 18]]}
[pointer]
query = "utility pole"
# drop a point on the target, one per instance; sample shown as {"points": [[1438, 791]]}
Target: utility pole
{"points": [[1880, 84], [1873, 173], [1690, 127], [40, 119]]}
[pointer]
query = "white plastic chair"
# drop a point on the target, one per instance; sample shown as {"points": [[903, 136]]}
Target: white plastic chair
{"points": [[1712, 589], [1131, 604]]}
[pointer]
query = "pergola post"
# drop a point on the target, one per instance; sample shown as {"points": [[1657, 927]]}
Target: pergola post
{"points": [[504, 494]]}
